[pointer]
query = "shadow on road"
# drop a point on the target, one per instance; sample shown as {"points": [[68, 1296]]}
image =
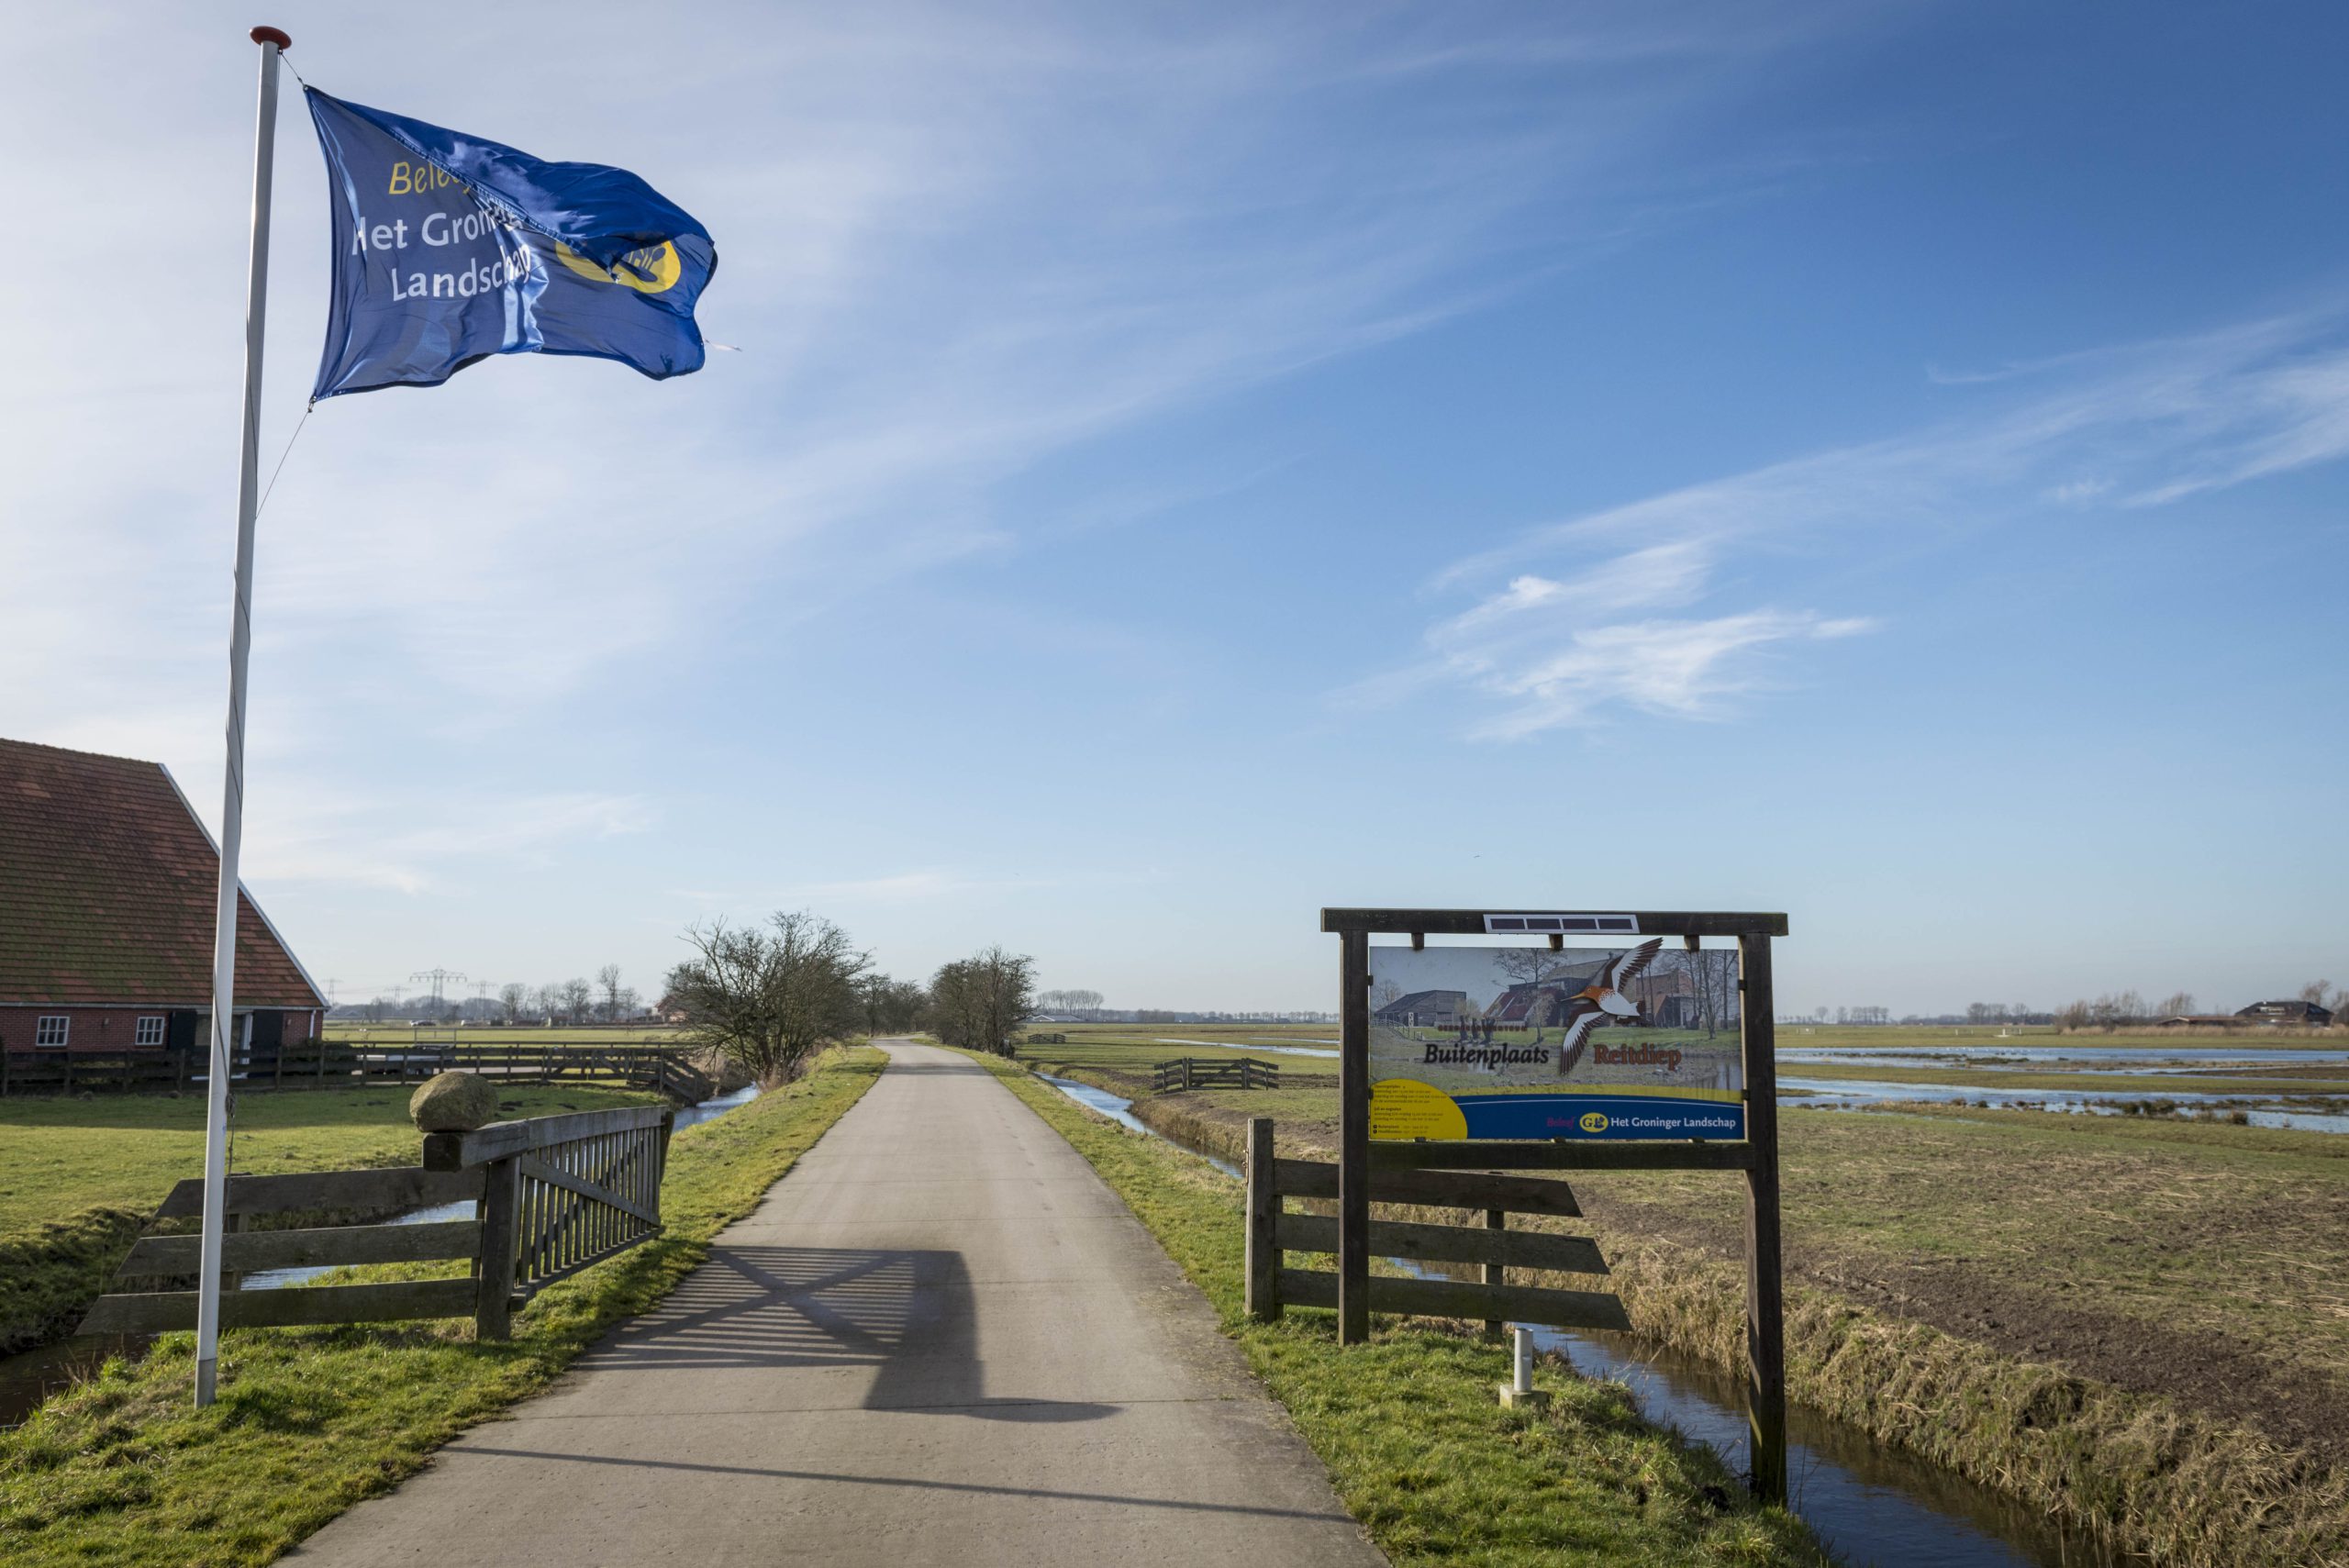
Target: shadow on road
{"points": [[910, 1315]]}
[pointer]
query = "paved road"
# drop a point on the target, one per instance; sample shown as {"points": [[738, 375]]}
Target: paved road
{"points": [[940, 1340]]}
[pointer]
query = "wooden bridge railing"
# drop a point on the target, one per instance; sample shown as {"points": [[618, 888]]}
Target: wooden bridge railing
{"points": [[1187, 1073], [343, 1064], [1273, 1230], [550, 1195]]}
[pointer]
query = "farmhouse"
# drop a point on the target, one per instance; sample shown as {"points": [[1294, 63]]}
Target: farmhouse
{"points": [[1438, 1009], [107, 887], [2311, 1015]]}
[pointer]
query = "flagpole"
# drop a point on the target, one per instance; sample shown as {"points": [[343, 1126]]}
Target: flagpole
{"points": [[232, 805]]}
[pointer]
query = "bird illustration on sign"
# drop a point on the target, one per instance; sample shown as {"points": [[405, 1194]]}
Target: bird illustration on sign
{"points": [[1603, 999]]}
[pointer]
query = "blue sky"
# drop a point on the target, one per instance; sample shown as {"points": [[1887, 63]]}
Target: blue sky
{"points": [[1187, 466]]}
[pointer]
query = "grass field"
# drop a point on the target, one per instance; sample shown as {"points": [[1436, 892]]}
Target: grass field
{"points": [[81, 1174], [2279, 1079], [1416, 1444], [1988, 1037], [126, 1151], [2193, 1259], [125, 1470], [1120, 1056], [491, 1034]]}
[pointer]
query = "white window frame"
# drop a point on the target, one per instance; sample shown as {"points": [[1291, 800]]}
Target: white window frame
{"points": [[42, 1031], [142, 1036]]}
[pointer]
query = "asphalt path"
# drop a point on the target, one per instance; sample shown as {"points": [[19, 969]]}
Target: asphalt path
{"points": [[940, 1340]]}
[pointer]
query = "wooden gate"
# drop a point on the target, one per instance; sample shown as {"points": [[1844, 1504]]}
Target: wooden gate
{"points": [[550, 1195], [560, 1193], [1190, 1073]]}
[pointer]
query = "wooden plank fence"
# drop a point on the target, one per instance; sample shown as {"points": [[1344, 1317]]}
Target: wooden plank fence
{"points": [[318, 1064], [1188, 1072], [1274, 1231], [551, 1195]]}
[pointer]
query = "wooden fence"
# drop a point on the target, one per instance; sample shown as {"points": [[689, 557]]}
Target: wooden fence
{"points": [[1190, 1073], [550, 1195], [1274, 1231], [316, 1063]]}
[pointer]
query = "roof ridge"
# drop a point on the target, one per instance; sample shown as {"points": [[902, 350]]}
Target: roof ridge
{"points": [[76, 751]]}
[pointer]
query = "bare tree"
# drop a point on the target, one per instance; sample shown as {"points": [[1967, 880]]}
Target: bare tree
{"points": [[575, 996], [2315, 992], [1528, 966], [510, 997], [979, 1003], [2176, 1005], [608, 980], [766, 996], [889, 1006]]}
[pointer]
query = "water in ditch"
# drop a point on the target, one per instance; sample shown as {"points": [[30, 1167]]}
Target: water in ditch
{"points": [[2260, 1109], [31, 1376], [1877, 1507]]}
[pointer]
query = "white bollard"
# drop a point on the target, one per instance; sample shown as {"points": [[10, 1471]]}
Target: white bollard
{"points": [[1519, 1390]]}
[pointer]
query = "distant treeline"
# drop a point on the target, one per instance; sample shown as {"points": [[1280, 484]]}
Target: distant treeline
{"points": [[2117, 1010], [1170, 1015]]}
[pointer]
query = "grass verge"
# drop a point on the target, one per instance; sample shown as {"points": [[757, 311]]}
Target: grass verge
{"points": [[125, 1470], [1417, 1446]]}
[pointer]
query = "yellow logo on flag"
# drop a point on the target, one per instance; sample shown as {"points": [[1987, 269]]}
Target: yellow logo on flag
{"points": [[647, 271]]}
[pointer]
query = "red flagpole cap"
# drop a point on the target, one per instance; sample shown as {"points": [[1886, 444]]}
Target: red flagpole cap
{"points": [[272, 35]]}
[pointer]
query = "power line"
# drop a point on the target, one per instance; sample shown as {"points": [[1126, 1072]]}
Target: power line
{"points": [[440, 978]]}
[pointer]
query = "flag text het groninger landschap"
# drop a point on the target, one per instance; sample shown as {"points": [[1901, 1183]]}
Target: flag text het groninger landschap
{"points": [[449, 248]]}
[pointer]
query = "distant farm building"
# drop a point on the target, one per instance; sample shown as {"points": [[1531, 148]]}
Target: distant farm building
{"points": [[2307, 1015], [107, 887], [2200, 1021], [1665, 1000], [1426, 1009]]}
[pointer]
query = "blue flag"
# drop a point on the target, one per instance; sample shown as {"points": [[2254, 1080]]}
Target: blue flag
{"points": [[449, 248]]}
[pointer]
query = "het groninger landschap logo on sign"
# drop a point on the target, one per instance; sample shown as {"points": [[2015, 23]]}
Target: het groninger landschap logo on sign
{"points": [[1541, 1042]]}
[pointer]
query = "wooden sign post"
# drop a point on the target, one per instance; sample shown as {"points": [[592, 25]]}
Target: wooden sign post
{"points": [[1367, 1170]]}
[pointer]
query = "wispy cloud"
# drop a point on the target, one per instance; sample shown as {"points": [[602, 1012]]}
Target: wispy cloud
{"points": [[1684, 669], [2139, 426], [410, 844], [957, 243]]}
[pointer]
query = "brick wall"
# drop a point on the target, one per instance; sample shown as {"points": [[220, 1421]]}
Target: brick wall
{"points": [[116, 1029]]}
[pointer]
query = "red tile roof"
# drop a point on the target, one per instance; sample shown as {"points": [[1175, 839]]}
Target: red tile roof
{"points": [[108, 883]]}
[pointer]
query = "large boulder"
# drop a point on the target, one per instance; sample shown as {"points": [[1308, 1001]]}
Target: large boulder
{"points": [[453, 1102]]}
